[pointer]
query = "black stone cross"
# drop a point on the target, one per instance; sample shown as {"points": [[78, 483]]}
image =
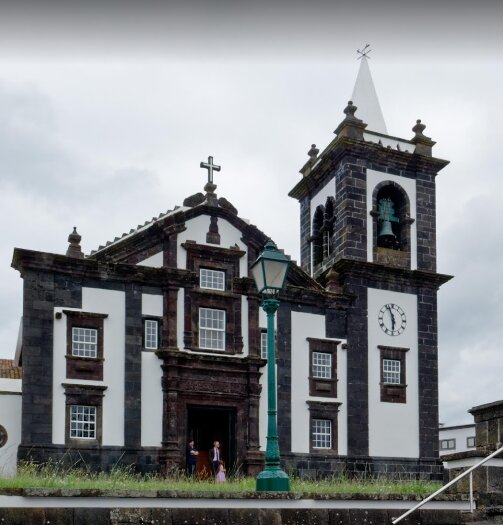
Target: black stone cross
{"points": [[210, 167]]}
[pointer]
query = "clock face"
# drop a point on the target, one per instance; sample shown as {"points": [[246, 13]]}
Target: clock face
{"points": [[392, 319]]}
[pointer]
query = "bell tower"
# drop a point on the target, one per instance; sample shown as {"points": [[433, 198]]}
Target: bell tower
{"points": [[367, 217]]}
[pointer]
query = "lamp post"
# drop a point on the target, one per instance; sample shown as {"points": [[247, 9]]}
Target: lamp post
{"points": [[269, 272]]}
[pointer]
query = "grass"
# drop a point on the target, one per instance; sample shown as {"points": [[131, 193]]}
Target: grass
{"points": [[53, 476]]}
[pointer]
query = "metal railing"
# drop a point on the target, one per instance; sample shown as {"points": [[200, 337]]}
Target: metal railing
{"points": [[455, 480]]}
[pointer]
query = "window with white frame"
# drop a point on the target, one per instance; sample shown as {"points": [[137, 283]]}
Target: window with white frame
{"points": [[151, 334], [322, 433], [322, 365], [84, 342], [263, 344], [82, 422], [447, 444], [212, 279], [470, 442], [391, 371], [211, 329]]}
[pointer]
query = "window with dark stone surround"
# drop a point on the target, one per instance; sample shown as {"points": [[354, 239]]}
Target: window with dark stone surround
{"points": [[84, 396], [326, 412], [393, 392], [224, 260], [322, 384], [80, 367], [150, 325]]}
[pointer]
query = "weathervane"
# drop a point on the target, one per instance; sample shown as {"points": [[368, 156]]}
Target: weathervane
{"points": [[364, 52]]}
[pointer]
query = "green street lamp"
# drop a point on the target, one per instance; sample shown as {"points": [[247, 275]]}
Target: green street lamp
{"points": [[269, 272]]}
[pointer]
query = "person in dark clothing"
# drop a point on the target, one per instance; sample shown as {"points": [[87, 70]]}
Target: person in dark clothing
{"points": [[191, 454], [215, 457]]}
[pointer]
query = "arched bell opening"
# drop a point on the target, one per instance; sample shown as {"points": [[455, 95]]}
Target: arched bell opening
{"points": [[391, 225]]}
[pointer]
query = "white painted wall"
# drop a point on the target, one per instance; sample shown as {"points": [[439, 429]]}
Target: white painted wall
{"points": [[10, 419], [460, 434], [393, 427], [196, 230], [393, 142], [306, 325], [152, 304], [109, 302], [151, 375], [409, 186], [151, 400], [154, 261]]}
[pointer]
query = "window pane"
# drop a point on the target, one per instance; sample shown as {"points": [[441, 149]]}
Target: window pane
{"points": [[322, 433], [151, 334], [84, 342], [391, 371], [211, 329], [322, 365], [263, 344], [212, 279], [83, 422]]}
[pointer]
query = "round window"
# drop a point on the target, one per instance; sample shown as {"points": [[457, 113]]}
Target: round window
{"points": [[3, 436]]}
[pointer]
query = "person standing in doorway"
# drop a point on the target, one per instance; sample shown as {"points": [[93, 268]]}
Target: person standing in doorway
{"points": [[215, 457], [191, 458]]}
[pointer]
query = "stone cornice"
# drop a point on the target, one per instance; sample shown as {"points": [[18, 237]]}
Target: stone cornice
{"points": [[100, 270], [345, 146], [382, 273]]}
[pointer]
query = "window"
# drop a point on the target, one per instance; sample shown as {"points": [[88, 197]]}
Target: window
{"points": [[322, 433], [470, 442], [212, 279], [391, 371], [263, 344], [393, 385], [151, 334], [84, 342], [322, 365], [82, 422], [211, 329], [447, 444]]}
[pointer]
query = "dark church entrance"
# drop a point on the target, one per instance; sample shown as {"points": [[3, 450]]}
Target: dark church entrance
{"points": [[208, 424]]}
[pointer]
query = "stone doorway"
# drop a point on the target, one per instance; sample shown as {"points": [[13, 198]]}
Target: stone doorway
{"points": [[208, 424]]}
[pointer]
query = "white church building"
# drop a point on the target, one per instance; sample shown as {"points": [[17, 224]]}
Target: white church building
{"points": [[158, 337]]}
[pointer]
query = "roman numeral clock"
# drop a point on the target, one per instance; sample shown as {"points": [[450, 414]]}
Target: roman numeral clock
{"points": [[392, 319]]}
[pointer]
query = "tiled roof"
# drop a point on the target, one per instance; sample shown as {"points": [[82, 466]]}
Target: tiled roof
{"points": [[8, 370]]}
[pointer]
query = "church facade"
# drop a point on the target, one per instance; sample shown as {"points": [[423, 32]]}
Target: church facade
{"points": [[158, 337]]}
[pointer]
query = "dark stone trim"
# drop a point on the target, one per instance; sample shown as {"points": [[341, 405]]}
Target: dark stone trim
{"points": [[319, 386], [79, 367], [132, 369], [284, 375], [328, 411]]}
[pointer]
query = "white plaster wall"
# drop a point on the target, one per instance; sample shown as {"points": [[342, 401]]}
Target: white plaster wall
{"points": [[151, 400], [409, 186], [152, 304], [197, 229], [306, 325], [154, 261], [393, 427], [245, 326], [460, 434], [389, 141], [10, 419], [109, 302]]}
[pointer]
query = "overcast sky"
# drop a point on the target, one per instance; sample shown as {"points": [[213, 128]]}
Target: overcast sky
{"points": [[105, 114]]}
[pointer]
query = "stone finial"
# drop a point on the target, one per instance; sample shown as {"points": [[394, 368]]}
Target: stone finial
{"points": [[423, 143], [351, 126], [333, 282], [313, 152], [74, 249]]}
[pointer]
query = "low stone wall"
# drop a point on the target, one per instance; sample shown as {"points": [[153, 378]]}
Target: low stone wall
{"points": [[84, 516]]}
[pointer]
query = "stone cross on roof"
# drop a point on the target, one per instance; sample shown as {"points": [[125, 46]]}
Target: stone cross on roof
{"points": [[210, 167]]}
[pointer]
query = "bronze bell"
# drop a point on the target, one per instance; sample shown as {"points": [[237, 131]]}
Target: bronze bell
{"points": [[386, 234]]}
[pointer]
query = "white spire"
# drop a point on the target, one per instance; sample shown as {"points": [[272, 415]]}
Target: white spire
{"points": [[365, 99]]}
